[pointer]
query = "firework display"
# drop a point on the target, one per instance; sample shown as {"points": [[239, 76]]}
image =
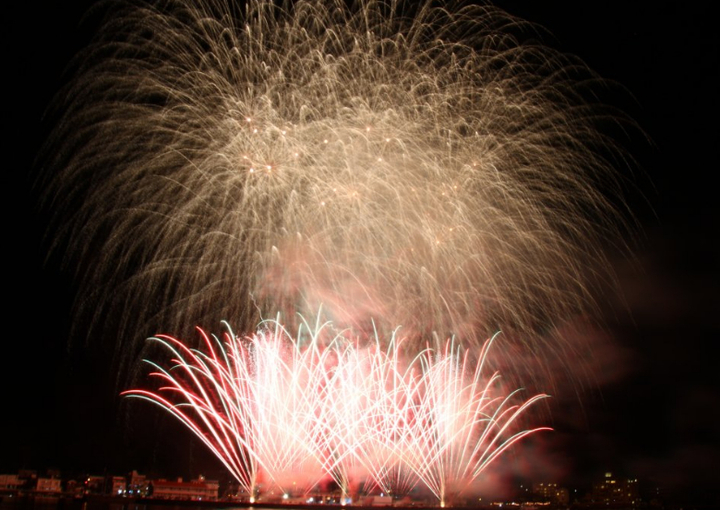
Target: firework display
{"points": [[407, 165], [298, 410], [430, 168]]}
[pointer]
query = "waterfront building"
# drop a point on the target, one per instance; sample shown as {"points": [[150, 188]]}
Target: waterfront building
{"points": [[197, 490], [10, 482], [119, 486], [138, 485], [48, 485], [613, 491], [551, 493]]}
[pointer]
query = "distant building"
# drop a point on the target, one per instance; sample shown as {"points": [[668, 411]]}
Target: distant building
{"points": [[11, 482], [74, 487], [612, 491], [551, 493], [94, 484], [28, 478], [198, 490], [138, 485], [119, 485], [48, 485]]}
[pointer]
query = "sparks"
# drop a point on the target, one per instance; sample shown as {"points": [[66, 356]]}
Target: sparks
{"points": [[473, 162], [306, 408]]}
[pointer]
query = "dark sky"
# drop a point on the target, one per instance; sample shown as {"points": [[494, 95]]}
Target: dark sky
{"points": [[654, 416]]}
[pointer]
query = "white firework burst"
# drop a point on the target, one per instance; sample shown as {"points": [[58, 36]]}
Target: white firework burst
{"points": [[414, 166]]}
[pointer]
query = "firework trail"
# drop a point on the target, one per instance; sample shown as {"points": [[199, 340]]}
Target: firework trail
{"points": [[299, 410], [415, 166]]}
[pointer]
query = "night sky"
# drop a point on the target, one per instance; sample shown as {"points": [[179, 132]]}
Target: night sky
{"points": [[655, 412]]}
